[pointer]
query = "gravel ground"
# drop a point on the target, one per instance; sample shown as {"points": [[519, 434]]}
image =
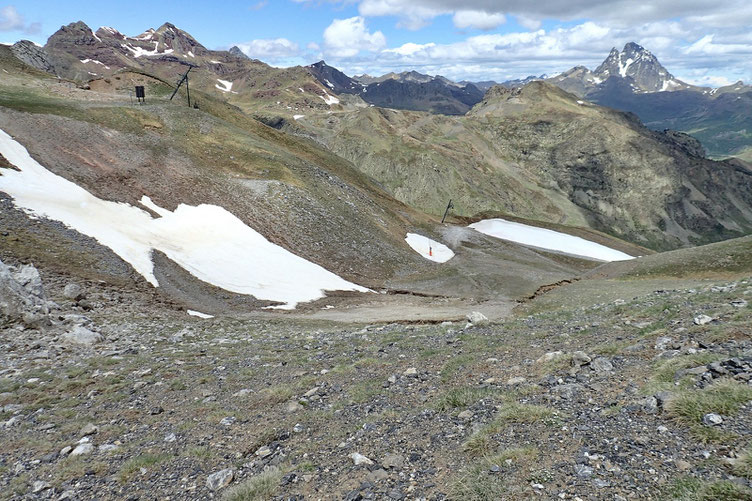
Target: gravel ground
{"points": [[605, 401]]}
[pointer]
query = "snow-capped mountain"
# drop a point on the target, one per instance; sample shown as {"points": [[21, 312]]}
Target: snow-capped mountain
{"points": [[639, 64], [634, 65]]}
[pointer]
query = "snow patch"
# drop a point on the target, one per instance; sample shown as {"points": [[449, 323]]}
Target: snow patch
{"points": [[140, 51], [198, 314], [429, 249], [330, 100], [190, 53], [215, 62], [225, 85], [330, 84], [206, 240], [298, 117], [548, 239]]}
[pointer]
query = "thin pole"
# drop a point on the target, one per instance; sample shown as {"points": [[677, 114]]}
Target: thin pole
{"points": [[449, 206], [187, 89]]}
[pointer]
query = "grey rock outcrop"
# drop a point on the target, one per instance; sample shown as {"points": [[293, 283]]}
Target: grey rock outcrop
{"points": [[22, 296], [32, 55]]}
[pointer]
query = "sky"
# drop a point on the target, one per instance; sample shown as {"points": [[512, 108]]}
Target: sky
{"points": [[699, 41]]}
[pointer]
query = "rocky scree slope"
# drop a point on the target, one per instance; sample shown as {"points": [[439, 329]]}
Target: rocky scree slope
{"points": [[645, 394]]}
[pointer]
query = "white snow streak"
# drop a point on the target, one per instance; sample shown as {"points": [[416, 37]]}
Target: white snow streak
{"points": [[198, 314], [330, 100], [208, 241], [429, 249], [548, 239], [225, 85], [298, 117]]}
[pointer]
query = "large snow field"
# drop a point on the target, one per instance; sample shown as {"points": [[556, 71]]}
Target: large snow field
{"points": [[208, 241], [429, 249], [548, 239]]}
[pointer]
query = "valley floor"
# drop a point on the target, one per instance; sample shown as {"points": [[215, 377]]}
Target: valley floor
{"points": [[634, 391]]}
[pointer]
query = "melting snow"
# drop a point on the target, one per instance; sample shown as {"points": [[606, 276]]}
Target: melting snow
{"points": [[215, 62], [623, 69], [548, 239], [140, 51], [208, 241], [330, 84], [429, 249], [330, 100], [198, 314], [226, 86], [190, 53], [580, 102], [297, 117]]}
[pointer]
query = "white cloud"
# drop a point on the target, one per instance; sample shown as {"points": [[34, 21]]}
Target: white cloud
{"points": [[478, 19], [270, 49], [11, 20], [348, 37]]}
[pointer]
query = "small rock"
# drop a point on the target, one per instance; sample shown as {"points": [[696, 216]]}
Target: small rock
{"points": [[551, 355], [582, 470], [495, 468], [156, 410], [515, 380], [662, 343], [219, 479], [712, 419], [465, 415], [477, 318], [311, 392], [377, 475], [682, 465], [650, 405], [263, 451], [81, 335], [228, 421], [392, 379], [580, 358], [82, 449], [39, 486], [87, 430], [298, 428], [360, 459], [392, 461], [242, 393], [170, 437], [293, 406], [739, 303], [73, 292], [703, 319], [66, 450], [412, 371], [108, 448], [602, 364]]}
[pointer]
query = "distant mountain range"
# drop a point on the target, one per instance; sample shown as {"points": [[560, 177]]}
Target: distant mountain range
{"points": [[628, 80], [409, 90]]}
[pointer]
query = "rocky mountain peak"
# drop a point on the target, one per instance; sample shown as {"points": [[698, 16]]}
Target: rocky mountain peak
{"points": [[235, 51], [77, 33], [639, 64]]}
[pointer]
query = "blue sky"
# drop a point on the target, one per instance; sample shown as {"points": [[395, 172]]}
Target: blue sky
{"points": [[699, 41]]}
